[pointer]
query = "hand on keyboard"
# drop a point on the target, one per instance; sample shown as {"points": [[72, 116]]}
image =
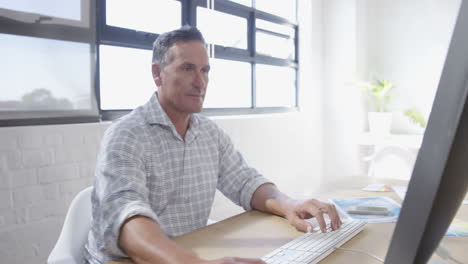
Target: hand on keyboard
{"points": [[305, 209], [313, 247]]}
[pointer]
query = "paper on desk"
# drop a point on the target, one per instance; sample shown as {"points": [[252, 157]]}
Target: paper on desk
{"points": [[377, 187], [401, 192], [343, 204], [457, 228]]}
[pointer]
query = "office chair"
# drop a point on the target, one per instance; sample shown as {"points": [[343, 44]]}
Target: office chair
{"points": [[69, 246]]}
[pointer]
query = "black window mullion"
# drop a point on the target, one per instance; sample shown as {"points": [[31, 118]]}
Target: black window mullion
{"points": [[48, 31], [232, 8], [254, 85], [276, 34], [232, 53], [189, 12], [49, 121], [100, 21], [252, 24], [264, 59], [273, 18], [296, 59], [127, 37], [100, 16]]}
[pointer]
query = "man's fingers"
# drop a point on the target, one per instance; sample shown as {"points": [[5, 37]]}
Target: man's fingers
{"points": [[301, 224], [321, 222], [335, 220], [314, 208], [330, 210], [317, 208]]}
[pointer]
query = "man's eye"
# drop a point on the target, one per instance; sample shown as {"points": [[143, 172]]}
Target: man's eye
{"points": [[187, 68], [206, 70]]}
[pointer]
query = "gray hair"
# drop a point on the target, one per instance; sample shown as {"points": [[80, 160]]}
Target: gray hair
{"points": [[165, 41]]}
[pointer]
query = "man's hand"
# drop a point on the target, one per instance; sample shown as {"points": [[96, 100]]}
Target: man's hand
{"points": [[306, 209], [267, 198]]}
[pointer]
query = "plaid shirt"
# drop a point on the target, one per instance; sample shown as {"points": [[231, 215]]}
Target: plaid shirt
{"points": [[145, 168]]}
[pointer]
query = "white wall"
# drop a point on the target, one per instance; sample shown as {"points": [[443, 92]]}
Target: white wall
{"points": [[407, 42], [41, 170], [343, 113], [43, 167], [402, 41]]}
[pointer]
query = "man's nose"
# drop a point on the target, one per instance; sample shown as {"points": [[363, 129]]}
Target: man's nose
{"points": [[199, 80]]}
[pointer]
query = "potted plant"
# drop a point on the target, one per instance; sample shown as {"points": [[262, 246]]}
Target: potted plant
{"points": [[377, 93], [417, 119]]}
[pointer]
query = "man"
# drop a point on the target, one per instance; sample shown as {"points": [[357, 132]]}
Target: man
{"points": [[159, 167]]}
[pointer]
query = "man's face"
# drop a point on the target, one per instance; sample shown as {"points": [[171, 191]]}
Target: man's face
{"points": [[182, 83]]}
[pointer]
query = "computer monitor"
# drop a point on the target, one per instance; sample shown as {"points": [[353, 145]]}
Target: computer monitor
{"points": [[440, 177]]}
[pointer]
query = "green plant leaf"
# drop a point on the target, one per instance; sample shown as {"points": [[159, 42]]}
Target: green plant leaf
{"points": [[416, 117]]}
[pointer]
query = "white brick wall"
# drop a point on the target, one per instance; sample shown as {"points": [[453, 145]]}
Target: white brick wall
{"points": [[41, 169]]}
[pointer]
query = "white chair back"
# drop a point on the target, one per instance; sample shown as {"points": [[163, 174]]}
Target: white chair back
{"points": [[70, 244]]}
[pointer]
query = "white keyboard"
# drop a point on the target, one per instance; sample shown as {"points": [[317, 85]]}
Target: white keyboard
{"points": [[312, 247]]}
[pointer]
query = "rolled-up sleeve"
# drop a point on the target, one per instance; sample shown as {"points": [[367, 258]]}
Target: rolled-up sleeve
{"points": [[120, 189], [237, 180]]}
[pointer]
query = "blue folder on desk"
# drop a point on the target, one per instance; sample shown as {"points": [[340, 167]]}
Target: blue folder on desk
{"points": [[344, 204]]}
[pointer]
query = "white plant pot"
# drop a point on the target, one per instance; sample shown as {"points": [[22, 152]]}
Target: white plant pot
{"points": [[380, 123]]}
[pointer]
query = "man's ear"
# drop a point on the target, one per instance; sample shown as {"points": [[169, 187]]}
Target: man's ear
{"points": [[156, 70]]}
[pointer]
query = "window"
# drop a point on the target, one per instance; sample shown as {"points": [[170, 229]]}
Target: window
{"points": [[83, 60], [252, 46], [275, 40], [144, 15], [213, 25], [123, 70], [58, 9], [229, 85], [47, 62], [42, 74], [273, 86]]}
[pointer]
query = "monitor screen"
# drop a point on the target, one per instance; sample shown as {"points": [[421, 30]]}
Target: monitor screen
{"points": [[440, 177]]}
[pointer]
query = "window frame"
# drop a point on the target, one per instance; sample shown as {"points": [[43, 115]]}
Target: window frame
{"points": [[83, 31], [124, 37], [99, 33]]}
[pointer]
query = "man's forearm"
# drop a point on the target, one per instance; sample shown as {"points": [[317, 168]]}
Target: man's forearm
{"points": [[145, 242], [267, 198]]}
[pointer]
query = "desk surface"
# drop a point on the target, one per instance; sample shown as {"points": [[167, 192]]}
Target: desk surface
{"points": [[250, 234]]}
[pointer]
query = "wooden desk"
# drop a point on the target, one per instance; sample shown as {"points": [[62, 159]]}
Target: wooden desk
{"points": [[254, 234]]}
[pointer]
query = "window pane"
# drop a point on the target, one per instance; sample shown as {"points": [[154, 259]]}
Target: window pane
{"points": [[126, 80], [44, 74], [276, 86], [274, 46], [275, 40], [156, 16], [214, 25], [70, 9], [229, 84], [282, 8]]}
